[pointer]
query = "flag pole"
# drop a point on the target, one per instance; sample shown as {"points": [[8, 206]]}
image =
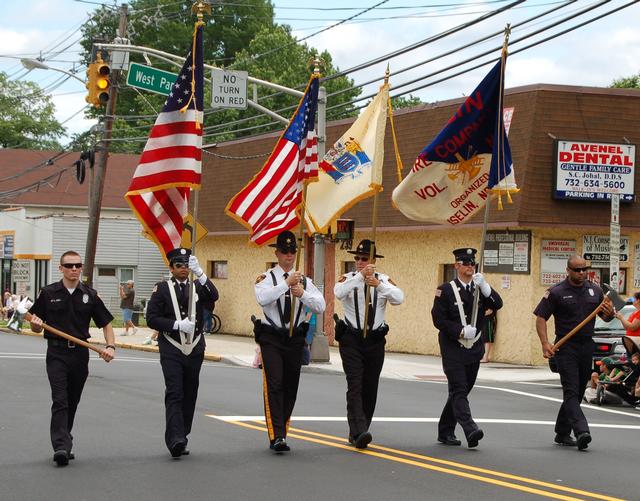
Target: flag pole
{"points": [[199, 7], [303, 208], [374, 224], [500, 139]]}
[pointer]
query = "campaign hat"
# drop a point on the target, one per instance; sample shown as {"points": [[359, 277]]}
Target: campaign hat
{"points": [[364, 248], [286, 242]]}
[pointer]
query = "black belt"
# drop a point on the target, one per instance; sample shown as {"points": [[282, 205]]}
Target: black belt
{"points": [[61, 343]]}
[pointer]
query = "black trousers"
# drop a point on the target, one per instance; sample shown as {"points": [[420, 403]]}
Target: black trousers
{"points": [[181, 379], [460, 377], [574, 366], [281, 362], [67, 370], [362, 362]]}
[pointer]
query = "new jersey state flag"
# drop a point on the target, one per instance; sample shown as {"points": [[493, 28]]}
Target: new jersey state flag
{"points": [[453, 177], [352, 168]]}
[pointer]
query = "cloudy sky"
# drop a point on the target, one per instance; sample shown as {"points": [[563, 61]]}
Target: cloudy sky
{"points": [[592, 55]]}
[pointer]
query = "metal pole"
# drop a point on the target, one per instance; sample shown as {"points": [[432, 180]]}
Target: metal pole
{"points": [[320, 345], [95, 204]]}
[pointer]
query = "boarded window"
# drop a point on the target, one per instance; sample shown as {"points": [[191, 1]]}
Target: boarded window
{"points": [[219, 269]]}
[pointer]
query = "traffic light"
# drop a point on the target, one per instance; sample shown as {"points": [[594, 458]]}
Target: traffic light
{"points": [[98, 82]]}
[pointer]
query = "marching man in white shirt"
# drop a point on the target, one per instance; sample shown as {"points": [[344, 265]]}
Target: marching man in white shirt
{"points": [[282, 352], [363, 357]]}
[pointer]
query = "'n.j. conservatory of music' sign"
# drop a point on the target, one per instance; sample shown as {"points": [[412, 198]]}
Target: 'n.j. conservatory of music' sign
{"points": [[594, 171]]}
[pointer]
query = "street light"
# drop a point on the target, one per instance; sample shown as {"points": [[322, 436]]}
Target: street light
{"points": [[35, 64]]}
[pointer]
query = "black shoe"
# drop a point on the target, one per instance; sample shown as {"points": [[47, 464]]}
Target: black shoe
{"points": [[582, 440], [280, 445], [177, 449], [362, 440], [474, 437], [564, 440], [351, 440], [61, 457], [449, 440]]}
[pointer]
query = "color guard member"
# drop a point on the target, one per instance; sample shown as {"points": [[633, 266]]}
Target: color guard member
{"points": [[282, 354], [461, 344], [180, 342], [69, 306], [362, 358], [570, 302]]}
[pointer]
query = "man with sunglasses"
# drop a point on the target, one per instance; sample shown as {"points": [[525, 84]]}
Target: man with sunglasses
{"points": [[461, 345], [69, 306], [180, 342], [363, 357], [282, 350], [570, 302]]}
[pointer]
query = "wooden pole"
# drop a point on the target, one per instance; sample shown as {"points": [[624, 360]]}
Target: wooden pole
{"points": [[367, 296], [573, 331], [298, 254], [68, 337]]}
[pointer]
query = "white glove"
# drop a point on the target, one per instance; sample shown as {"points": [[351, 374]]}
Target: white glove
{"points": [[187, 326], [481, 283], [194, 266], [469, 332]]}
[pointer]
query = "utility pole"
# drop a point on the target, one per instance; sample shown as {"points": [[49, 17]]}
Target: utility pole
{"points": [[102, 155]]}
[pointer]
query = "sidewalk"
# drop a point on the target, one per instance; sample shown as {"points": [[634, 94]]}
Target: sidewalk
{"points": [[240, 350]]}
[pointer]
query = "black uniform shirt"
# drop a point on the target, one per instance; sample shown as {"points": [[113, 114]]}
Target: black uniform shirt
{"points": [[570, 305], [71, 313]]}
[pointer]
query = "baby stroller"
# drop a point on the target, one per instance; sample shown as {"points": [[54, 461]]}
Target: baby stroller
{"points": [[621, 390]]}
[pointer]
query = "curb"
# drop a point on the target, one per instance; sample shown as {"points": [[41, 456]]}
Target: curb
{"points": [[127, 346]]}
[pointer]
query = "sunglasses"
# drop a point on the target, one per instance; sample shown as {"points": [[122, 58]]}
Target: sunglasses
{"points": [[361, 258], [467, 263], [290, 252], [180, 265], [69, 266], [579, 270]]}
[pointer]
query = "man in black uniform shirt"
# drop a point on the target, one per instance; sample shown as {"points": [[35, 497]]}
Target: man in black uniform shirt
{"points": [[282, 354], [69, 306], [363, 358], [461, 343], [180, 342], [570, 302]]}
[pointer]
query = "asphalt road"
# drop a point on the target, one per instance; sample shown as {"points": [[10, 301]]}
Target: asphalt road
{"points": [[120, 451]]}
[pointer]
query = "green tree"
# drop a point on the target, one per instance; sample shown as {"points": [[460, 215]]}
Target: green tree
{"points": [[239, 35], [405, 102], [632, 82], [26, 117]]}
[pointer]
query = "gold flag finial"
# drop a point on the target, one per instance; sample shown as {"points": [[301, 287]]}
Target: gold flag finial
{"points": [[387, 74], [199, 7], [316, 62]]}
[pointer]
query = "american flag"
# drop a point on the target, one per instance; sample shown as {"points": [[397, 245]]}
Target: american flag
{"points": [[171, 161], [268, 204]]}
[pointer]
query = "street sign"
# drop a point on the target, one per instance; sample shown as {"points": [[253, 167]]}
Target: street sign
{"points": [[229, 89], [201, 231], [21, 271], [151, 79]]}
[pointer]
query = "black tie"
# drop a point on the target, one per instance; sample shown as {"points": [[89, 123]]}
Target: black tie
{"points": [[183, 290], [371, 314], [468, 288], [287, 302]]}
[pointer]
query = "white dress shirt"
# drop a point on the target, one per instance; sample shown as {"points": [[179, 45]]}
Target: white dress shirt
{"points": [[270, 295], [386, 292]]}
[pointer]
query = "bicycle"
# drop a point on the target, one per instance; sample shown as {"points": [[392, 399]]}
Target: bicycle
{"points": [[216, 323]]}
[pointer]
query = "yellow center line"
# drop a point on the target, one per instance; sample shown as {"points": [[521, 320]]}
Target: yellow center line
{"points": [[308, 436]]}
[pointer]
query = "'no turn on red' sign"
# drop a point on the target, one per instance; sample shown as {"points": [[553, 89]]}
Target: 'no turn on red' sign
{"points": [[229, 89]]}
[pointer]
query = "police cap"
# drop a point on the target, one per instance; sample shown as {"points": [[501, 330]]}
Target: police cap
{"points": [[179, 255], [466, 255]]}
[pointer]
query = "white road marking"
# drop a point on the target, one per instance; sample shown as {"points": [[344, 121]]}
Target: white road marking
{"points": [[337, 419]]}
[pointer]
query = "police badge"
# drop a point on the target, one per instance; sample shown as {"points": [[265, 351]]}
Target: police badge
{"points": [[85, 298]]}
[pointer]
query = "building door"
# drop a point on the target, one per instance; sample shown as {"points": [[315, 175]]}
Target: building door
{"points": [[5, 275], [108, 287]]}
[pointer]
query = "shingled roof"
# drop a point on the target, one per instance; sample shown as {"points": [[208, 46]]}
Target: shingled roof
{"points": [[22, 168]]}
